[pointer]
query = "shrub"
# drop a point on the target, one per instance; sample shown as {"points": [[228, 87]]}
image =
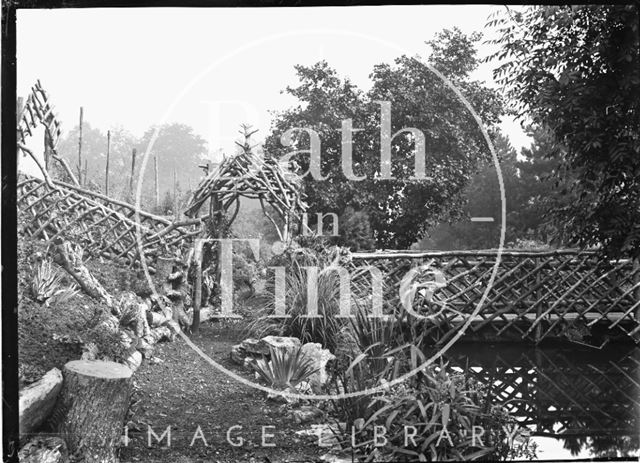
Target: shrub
{"points": [[325, 327], [440, 406], [285, 370]]}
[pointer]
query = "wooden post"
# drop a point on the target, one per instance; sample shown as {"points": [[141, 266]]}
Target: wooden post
{"points": [[197, 300], [175, 194], [47, 149], [133, 168], [80, 148], [155, 172], [106, 173]]}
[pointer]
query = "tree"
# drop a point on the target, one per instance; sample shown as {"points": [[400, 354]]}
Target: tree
{"points": [[94, 149], [543, 189], [576, 70], [399, 209], [179, 151], [482, 198]]}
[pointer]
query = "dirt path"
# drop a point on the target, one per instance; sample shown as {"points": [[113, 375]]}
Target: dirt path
{"points": [[183, 391]]}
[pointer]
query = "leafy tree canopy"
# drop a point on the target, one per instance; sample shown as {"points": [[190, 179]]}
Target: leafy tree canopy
{"points": [[576, 70], [399, 209]]}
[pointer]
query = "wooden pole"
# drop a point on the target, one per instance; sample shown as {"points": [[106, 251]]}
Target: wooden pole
{"points": [[197, 300], [155, 172], [47, 149], [175, 194], [106, 173], [133, 168], [80, 148]]}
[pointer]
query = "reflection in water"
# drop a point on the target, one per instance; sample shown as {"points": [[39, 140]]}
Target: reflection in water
{"points": [[588, 398]]}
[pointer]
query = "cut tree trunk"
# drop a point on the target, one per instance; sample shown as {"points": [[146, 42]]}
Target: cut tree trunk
{"points": [[92, 407], [37, 401], [70, 258]]}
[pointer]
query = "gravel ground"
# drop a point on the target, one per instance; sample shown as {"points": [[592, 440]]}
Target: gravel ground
{"points": [[183, 391]]}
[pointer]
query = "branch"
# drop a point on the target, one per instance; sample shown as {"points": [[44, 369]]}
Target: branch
{"points": [[45, 174]]}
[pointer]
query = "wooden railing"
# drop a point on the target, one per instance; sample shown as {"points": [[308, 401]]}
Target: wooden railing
{"points": [[105, 226], [533, 295]]}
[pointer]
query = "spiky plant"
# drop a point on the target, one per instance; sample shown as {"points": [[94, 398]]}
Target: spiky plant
{"points": [[285, 370], [322, 328], [47, 284]]}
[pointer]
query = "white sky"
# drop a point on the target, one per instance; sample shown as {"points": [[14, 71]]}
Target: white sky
{"points": [[128, 66]]}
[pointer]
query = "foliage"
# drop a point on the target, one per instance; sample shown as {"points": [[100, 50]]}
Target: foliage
{"points": [[47, 282], [528, 197], [399, 209], [324, 327], [355, 230], [440, 406], [178, 149], [576, 70], [285, 370]]}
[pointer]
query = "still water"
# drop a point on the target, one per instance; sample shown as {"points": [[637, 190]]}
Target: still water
{"points": [[578, 402]]}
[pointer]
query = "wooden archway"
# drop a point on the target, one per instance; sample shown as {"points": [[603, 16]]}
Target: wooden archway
{"points": [[252, 176]]}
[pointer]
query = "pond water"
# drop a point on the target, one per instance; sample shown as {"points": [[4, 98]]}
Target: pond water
{"points": [[578, 402]]}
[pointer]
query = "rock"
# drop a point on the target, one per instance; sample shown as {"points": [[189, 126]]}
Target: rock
{"points": [[133, 360], [89, 351], [304, 387], [261, 347], [36, 401], [44, 450], [281, 342], [305, 414], [281, 398], [238, 354], [326, 434], [320, 358], [254, 346]]}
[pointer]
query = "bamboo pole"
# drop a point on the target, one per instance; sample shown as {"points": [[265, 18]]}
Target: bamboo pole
{"points": [[80, 148], [133, 168], [106, 173]]}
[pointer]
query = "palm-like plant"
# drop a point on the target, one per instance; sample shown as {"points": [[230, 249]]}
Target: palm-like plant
{"points": [[286, 369], [46, 285]]}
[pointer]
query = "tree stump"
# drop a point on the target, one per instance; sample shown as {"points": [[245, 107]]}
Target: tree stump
{"points": [[92, 406]]}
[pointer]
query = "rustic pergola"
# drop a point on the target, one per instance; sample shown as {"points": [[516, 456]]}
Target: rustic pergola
{"points": [[252, 176]]}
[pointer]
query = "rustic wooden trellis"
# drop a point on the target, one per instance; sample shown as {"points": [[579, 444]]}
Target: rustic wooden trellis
{"points": [[251, 176], [560, 394], [535, 294], [105, 226]]}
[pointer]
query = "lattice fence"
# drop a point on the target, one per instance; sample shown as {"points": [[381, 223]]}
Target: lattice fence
{"points": [[561, 394], [105, 227], [534, 295]]}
